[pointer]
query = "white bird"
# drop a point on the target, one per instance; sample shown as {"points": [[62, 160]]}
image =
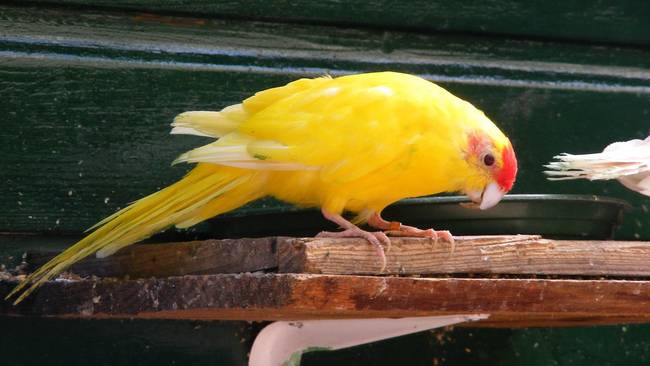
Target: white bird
{"points": [[627, 161]]}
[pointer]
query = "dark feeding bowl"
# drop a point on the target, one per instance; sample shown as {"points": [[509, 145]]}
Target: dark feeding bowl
{"points": [[550, 215]]}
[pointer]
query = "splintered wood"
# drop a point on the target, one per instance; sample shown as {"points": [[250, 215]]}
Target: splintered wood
{"points": [[339, 278], [518, 254], [511, 254]]}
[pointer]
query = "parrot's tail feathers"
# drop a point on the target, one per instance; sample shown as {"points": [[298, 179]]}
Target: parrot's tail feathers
{"points": [[234, 197], [204, 192], [209, 123], [162, 216], [601, 166]]}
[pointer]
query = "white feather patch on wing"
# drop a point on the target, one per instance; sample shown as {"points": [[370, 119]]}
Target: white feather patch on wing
{"points": [[239, 156], [209, 123], [177, 130], [256, 165]]}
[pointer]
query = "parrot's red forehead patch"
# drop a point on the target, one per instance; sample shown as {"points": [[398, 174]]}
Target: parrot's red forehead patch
{"points": [[508, 172], [505, 175]]}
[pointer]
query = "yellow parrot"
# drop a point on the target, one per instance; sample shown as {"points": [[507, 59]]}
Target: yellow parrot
{"points": [[354, 143]]}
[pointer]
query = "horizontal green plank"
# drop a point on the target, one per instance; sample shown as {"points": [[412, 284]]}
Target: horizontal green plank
{"points": [[136, 41], [605, 20], [87, 99]]}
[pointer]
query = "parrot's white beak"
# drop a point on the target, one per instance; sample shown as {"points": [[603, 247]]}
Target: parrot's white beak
{"points": [[492, 194], [485, 199]]}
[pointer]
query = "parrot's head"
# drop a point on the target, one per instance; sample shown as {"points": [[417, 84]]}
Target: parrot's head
{"points": [[493, 165]]}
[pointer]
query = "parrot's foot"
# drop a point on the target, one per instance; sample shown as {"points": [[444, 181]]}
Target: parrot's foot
{"points": [[376, 238], [394, 228], [352, 231], [411, 231]]}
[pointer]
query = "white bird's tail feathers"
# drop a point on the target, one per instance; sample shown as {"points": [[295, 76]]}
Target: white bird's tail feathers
{"points": [[628, 161]]}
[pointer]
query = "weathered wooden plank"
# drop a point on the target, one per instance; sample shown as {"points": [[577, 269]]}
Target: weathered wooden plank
{"points": [[514, 254], [525, 254], [511, 302], [612, 21], [176, 259], [351, 256]]}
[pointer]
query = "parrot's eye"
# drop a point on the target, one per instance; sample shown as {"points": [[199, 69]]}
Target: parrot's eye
{"points": [[488, 160]]}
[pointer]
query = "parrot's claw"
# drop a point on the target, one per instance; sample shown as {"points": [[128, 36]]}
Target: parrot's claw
{"points": [[376, 238], [395, 228], [414, 232]]}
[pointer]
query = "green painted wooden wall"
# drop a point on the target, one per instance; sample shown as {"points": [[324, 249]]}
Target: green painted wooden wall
{"points": [[602, 20], [88, 89]]}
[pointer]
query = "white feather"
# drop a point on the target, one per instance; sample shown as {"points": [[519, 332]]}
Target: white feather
{"points": [[179, 130], [209, 123], [627, 161], [238, 155]]}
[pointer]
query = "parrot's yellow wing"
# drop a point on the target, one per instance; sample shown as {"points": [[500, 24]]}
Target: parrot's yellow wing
{"points": [[219, 123], [339, 126]]}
